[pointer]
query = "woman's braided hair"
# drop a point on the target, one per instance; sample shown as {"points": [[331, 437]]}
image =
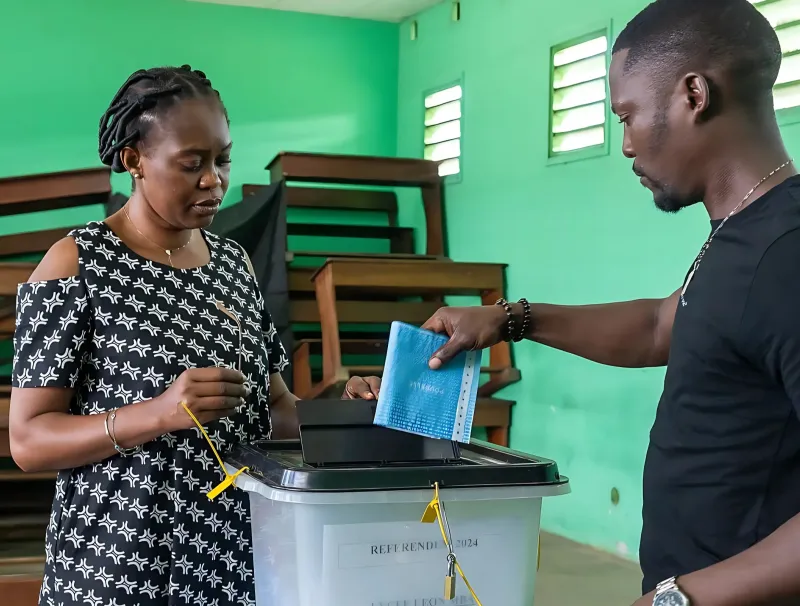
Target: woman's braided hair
{"points": [[138, 102]]}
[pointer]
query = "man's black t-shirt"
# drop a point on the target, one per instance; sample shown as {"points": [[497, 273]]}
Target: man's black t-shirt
{"points": [[723, 466]]}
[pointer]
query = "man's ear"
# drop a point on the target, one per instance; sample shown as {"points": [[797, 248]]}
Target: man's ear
{"points": [[696, 91]]}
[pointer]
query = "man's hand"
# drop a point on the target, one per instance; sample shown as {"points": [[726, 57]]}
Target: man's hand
{"points": [[362, 388], [469, 329], [646, 600]]}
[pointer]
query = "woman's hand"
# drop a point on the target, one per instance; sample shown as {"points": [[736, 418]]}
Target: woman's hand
{"points": [[362, 388], [469, 329], [45, 436], [210, 393]]}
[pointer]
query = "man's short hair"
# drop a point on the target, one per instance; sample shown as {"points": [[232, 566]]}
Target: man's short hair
{"points": [[729, 35]]}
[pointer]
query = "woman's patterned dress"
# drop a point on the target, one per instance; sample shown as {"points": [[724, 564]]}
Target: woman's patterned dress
{"points": [[133, 530]]}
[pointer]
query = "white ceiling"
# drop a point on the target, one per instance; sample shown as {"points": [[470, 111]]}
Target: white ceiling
{"points": [[379, 10]]}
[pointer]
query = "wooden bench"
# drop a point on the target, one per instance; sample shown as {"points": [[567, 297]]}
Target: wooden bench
{"points": [[364, 312], [363, 307], [48, 191], [324, 255], [25, 501], [301, 277], [11, 276], [321, 198], [5, 403], [21, 572], [31, 242], [7, 317], [20, 580], [401, 239], [494, 415], [340, 278], [373, 171]]}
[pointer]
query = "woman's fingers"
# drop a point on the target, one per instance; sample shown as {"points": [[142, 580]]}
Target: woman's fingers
{"points": [[358, 388], [374, 384]]}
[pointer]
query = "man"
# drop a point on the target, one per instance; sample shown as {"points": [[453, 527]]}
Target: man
{"points": [[691, 80]]}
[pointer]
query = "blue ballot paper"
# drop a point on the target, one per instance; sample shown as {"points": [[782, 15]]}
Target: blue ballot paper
{"points": [[414, 398]]}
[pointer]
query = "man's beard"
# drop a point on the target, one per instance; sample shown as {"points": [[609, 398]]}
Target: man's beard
{"points": [[669, 201], [665, 197]]}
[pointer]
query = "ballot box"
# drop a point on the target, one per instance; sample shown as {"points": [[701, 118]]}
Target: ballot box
{"points": [[346, 515]]}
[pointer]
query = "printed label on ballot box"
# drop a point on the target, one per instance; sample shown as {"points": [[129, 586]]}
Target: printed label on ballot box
{"points": [[404, 563]]}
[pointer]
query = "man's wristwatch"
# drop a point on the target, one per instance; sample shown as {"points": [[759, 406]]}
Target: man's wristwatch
{"points": [[669, 594]]}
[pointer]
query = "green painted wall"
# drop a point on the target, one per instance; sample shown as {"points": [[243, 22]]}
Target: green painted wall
{"points": [[578, 232], [290, 81], [573, 233]]}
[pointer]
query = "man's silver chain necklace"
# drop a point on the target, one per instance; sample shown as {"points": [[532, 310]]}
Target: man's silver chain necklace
{"points": [[714, 233]]}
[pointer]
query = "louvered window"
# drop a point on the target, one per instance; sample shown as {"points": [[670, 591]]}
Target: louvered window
{"points": [[578, 112], [443, 129], [784, 15]]}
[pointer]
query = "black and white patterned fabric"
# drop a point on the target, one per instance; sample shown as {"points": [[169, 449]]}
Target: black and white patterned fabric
{"points": [[140, 529]]}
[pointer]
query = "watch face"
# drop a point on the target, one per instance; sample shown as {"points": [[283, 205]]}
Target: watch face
{"points": [[671, 598]]}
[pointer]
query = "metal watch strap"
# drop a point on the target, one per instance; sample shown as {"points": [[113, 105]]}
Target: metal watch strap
{"points": [[670, 584], [666, 585]]}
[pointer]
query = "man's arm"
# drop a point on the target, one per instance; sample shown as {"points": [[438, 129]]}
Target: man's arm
{"points": [[768, 573], [631, 334]]}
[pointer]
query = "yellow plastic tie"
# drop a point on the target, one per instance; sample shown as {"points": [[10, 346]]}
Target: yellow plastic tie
{"points": [[433, 513], [229, 479], [432, 510]]}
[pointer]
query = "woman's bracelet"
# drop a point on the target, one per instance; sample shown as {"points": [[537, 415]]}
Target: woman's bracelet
{"points": [[111, 416]]}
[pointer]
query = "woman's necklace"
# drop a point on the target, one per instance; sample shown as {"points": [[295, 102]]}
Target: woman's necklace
{"points": [[714, 233], [169, 251]]}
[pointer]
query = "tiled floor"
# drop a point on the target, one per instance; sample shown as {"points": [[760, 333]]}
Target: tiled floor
{"points": [[571, 574]]}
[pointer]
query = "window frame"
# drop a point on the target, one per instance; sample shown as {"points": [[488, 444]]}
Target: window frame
{"points": [[456, 178], [787, 115], [594, 151]]}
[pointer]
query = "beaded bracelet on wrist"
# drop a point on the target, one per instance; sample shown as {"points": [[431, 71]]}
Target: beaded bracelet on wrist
{"points": [[509, 330], [510, 333], [526, 320]]}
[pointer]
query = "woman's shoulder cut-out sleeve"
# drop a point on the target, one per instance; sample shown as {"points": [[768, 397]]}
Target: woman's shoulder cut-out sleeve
{"points": [[52, 332]]}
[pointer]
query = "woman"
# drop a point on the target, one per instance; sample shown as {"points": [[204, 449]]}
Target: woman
{"points": [[126, 326]]}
